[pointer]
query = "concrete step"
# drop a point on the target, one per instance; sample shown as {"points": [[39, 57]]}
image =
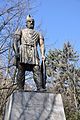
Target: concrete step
{"points": [[34, 106]]}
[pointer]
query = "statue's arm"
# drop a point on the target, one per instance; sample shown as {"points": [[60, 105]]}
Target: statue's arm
{"points": [[42, 48], [16, 42]]}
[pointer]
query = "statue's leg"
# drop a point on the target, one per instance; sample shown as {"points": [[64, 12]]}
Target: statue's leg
{"points": [[21, 76], [37, 77]]}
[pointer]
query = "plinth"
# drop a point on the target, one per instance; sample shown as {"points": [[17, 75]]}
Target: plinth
{"points": [[34, 106]]}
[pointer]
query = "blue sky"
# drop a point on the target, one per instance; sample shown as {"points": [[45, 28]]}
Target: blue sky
{"points": [[60, 22]]}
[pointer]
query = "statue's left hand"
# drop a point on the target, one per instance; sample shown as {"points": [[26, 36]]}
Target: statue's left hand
{"points": [[43, 57]]}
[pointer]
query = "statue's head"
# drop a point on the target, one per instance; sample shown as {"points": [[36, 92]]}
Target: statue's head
{"points": [[30, 22]]}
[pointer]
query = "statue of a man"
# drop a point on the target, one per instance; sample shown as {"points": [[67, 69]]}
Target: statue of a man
{"points": [[26, 52]]}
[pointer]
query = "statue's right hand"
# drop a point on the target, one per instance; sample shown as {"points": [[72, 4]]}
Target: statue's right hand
{"points": [[17, 55]]}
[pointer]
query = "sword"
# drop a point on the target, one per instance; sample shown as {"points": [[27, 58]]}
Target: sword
{"points": [[43, 72]]}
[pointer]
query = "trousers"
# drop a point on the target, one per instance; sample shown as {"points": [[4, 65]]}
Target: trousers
{"points": [[36, 75]]}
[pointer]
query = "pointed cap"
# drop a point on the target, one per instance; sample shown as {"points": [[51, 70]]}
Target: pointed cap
{"points": [[29, 18]]}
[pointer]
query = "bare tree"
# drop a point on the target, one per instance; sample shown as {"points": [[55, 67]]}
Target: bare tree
{"points": [[12, 17]]}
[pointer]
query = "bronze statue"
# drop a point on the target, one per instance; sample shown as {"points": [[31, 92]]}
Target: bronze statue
{"points": [[26, 53]]}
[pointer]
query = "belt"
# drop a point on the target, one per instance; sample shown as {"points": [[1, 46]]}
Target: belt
{"points": [[29, 45]]}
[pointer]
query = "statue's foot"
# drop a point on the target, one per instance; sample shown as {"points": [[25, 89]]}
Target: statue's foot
{"points": [[20, 89], [41, 90]]}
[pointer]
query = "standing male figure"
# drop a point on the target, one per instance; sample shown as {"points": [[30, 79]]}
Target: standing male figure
{"points": [[25, 47]]}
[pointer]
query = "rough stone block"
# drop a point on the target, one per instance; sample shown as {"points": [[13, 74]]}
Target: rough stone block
{"points": [[34, 106]]}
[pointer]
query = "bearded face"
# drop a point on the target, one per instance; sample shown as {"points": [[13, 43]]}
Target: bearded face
{"points": [[30, 24]]}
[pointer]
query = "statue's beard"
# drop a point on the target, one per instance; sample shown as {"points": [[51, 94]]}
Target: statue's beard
{"points": [[30, 26]]}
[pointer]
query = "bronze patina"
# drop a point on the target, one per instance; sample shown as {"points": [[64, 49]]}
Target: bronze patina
{"points": [[26, 53]]}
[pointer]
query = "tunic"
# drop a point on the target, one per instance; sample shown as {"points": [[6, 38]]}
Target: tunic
{"points": [[27, 41]]}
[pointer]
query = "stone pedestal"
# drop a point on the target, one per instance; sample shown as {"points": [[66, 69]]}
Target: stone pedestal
{"points": [[34, 106]]}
